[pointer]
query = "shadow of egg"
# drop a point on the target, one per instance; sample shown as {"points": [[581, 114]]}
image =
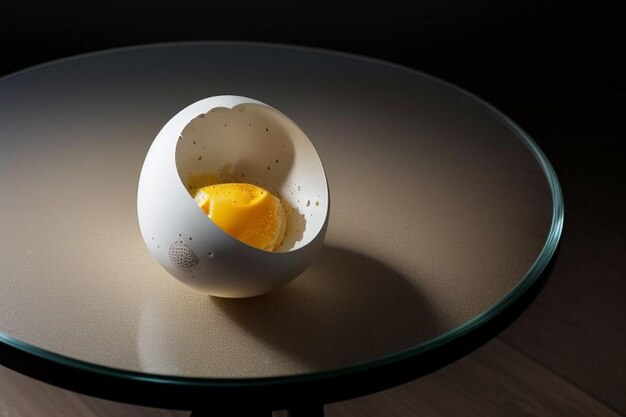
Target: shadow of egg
{"points": [[346, 309]]}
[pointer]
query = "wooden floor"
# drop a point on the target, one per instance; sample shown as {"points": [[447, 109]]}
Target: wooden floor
{"points": [[566, 355], [497, 380]]}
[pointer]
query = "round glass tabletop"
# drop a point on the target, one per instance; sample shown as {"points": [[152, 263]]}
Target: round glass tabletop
{"points": [[443, 213]]}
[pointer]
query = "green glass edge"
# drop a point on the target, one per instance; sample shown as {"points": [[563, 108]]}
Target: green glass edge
{"points": [[522, 286]]}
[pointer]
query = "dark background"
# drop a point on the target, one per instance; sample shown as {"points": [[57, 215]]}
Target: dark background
{"points": [[553, 67]]}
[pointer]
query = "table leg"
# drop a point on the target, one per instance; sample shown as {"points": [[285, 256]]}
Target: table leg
{"points": [[310, 411], [230, 413]]}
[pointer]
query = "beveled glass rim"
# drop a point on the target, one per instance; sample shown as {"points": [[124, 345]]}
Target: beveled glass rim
{"points": [[524, 284]]}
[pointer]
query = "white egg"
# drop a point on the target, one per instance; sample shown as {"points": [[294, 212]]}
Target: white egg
{"points": [[247, 141]]}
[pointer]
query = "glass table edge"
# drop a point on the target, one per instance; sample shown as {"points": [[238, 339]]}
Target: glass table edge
{"points": [[477, 321]]}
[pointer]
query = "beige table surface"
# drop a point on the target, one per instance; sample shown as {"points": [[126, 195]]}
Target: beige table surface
{"points": [[439, 208]]}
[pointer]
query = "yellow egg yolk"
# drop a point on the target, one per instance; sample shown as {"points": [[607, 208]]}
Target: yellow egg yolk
{"points": [[244, 211]]}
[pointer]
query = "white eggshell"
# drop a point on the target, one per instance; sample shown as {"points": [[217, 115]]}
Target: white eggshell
{"points": [[250, 141]]}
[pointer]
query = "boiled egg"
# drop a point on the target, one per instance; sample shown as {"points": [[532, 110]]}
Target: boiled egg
{"points": [[233, 198]]}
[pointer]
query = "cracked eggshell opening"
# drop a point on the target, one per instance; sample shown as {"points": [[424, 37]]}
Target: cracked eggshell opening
{"points": [[240, 140]]}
